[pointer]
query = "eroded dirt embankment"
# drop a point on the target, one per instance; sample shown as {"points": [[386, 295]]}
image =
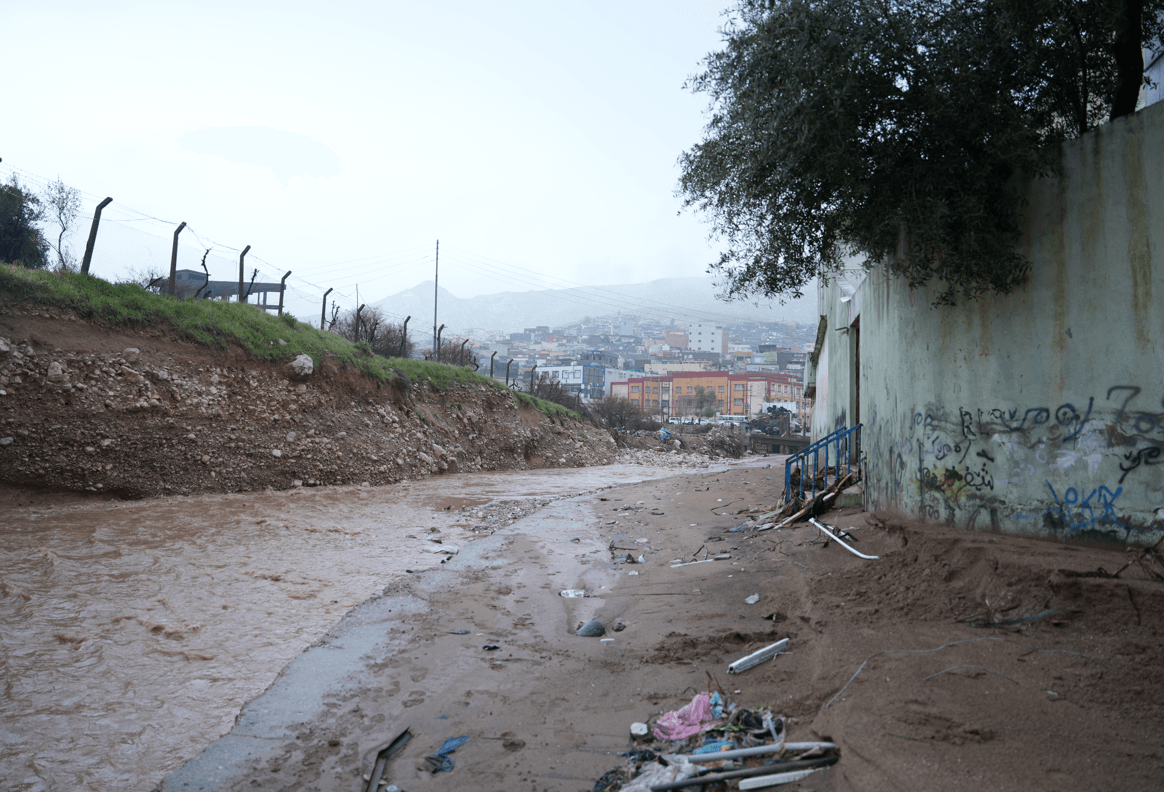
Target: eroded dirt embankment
{"points": [[85, 407]]}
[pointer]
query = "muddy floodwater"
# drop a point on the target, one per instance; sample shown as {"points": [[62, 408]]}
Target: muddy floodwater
{"points": [[131, 634]]}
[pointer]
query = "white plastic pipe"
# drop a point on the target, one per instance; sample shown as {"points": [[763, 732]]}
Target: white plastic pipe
{"points": [[759, 750], [776, 779], [830, 534], [757, 657]]}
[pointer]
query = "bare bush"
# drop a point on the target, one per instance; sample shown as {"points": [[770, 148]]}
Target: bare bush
{"points": [[619, 413], [369, 325]]}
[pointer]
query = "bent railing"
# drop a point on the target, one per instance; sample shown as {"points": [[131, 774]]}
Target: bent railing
{"points": [[842, 443]]}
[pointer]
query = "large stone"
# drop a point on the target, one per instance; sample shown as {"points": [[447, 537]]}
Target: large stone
{"points": [[130, 354], [5, 347], [130, 375], [301, 367], [55, 374]]}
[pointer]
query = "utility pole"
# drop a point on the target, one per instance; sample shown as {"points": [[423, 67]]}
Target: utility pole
{"points": [[436, 290]]}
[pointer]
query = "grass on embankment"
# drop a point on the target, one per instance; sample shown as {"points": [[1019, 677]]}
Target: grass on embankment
{"points": [[215, 323]]}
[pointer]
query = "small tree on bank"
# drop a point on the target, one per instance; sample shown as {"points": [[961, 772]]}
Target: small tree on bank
{"points": [[21, 241], [369, 326]]}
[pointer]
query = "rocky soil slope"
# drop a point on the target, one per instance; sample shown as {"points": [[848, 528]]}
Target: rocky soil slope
{"points": [[138, 412]]}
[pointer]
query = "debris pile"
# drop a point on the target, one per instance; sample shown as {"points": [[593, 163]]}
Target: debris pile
{"points": [[793, 509], [713, 743]]}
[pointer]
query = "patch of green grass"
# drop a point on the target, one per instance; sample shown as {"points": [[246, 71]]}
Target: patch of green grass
{"points": [[217, 323], [550, 408]]}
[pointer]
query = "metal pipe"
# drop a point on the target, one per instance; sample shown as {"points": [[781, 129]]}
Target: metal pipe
{"points": [[282, 288], [93, 234], [242, 277], [322, 311], [174, 260]]}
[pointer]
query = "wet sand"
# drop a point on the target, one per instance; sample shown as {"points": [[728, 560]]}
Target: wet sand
{"points": [[131, 634]]}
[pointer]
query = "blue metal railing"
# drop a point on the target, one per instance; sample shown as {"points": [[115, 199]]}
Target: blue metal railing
{"points": [[840, 442]]}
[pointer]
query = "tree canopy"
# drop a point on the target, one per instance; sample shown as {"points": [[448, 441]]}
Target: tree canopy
{"points": [[899, 130]]}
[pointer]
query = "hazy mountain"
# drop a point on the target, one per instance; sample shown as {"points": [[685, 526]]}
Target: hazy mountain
{"points": [[681, 299]]}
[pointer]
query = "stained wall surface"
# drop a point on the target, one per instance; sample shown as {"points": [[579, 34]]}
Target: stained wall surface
{"points": [[1041, 411]]}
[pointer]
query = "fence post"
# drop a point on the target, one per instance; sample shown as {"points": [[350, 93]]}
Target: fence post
{"points": [[436, 353], [174, 260], [461, 356], [532, 371], [241, 277], [404, 335], [93, 235], [323, 310], [491, 364], [282, 288], [507, 365]]}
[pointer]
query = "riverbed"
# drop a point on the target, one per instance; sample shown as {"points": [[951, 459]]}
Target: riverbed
{"points": [[131, 634]]}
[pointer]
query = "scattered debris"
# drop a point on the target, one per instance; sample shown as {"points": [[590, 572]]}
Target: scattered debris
{"points": [[384, 756], [752, 600], [833, 536], [440, 762], [572, 593], [757, 657], [490, 647], [591, 629], [458, 632], [712, 741]]}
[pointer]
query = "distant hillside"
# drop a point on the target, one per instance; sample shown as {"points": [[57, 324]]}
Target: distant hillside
{"points": [[681, 299]]}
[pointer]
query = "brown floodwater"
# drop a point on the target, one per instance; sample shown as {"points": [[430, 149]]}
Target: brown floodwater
{"points": [[131, 634]]}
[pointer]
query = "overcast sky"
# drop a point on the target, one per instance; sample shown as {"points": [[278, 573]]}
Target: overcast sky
{"points": [[537, 140]]}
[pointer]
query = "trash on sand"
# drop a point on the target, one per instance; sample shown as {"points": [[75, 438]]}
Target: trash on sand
{"points": [[658, 776], [607, 640], [591, 629], [458, 632], [714, 746], [689, 563], [632, 573], [441, 548], [830, 534], [738, 528], [490, 647], [440, 762], [722, 557], [575, 540], [723, 741], [687, 721], [572, 593], [757, 657], [752, 600], [641, 559], [385, 756], [776, 779]]}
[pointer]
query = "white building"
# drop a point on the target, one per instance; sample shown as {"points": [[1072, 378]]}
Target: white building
{"points": [[707, 337]]}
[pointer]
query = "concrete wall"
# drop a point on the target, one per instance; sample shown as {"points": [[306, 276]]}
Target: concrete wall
{"points": [[1040, 412]]}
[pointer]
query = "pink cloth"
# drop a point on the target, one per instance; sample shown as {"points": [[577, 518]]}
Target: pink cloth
{"points": [[686, 722]]}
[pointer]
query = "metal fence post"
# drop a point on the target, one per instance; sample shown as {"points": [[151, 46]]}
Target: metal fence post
{"points": [[93, 235], [436, 353], [404, 335], [241, 277], [174, 260], [282, 288], [323, 310], [491, 363]]}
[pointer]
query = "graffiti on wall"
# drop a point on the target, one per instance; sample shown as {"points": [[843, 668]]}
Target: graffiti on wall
{"points": [[1083, 459]]}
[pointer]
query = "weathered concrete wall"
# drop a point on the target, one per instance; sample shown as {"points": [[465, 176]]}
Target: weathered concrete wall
{"points": [[1042, 411]]}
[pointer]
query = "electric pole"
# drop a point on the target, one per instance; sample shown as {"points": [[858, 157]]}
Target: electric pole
{"points": [[435, 291]]}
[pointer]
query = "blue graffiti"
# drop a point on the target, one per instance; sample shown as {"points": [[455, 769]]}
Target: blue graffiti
{"points": [[1074, 514]]}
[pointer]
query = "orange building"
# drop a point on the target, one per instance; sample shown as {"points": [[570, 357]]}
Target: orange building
{"points": [[688, 393]]}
